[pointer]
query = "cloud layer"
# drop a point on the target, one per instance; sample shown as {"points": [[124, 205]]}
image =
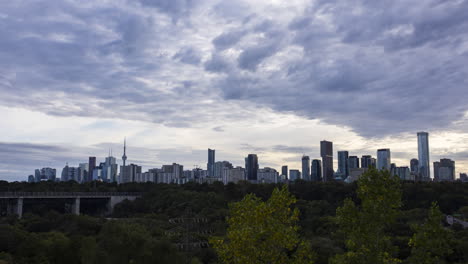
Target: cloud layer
{"points": [[375, 68]]}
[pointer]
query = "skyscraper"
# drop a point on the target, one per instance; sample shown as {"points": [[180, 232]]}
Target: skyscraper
{"points": [[211, 162], [353, 162], [306, 168], [251, 167], [423, 155], [284, 171], [414, 166], [383, 159], [367, 160], [326, 152], [91, 166], [316, 171], [294, 175], [343, 163]]}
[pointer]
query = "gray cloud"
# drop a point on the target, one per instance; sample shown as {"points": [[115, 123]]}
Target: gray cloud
{"points": [[188, 55]]}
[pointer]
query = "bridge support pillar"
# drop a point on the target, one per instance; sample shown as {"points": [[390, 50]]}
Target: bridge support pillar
{"points": [[76, 206], [19, 207], [15, 207]]}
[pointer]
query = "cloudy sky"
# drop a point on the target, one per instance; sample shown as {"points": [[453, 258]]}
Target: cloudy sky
{"points": [[269, 77]]}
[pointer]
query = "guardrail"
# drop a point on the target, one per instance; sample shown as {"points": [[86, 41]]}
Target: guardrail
{"points": [[66, 194]]}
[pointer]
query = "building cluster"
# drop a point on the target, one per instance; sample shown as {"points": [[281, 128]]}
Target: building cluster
{"points": [[349, 169]]}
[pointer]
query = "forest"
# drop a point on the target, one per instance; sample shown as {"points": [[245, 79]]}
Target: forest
{"points": [[177, 223]]}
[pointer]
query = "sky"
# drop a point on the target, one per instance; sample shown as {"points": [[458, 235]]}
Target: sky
{"points": [[176, 77]]}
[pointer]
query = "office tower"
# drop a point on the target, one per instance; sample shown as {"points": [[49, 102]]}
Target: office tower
{"points": [[91, 166], [444, 170], [211, 162], [392, 168], [69, 174], [343, 163], [83, 172], [326, 152], [109, 169], [251, 167], [423, 156], [353, 163], [233, 175], [383, 159], [463, 177], [316, 170], [294, 175], [306, 168], [124, 156], [414, 166], [284, 171]]}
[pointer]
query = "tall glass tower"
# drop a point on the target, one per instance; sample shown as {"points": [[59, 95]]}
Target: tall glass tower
{"points": [[306, 168], [384, 159], [423, 155], [211, 162], [326, 152]]}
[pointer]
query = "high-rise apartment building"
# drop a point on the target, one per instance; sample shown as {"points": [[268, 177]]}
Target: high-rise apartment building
{"points": [[316, 170], [284, 171], [444, 170], [343, 164], [326, 152], [306, 168], [384, 159], [423, 156], [251, 167], [211, 162]]}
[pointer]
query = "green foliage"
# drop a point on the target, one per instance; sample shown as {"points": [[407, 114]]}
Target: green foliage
{"points": [[364, 225], [431, 241], [263, 232]]}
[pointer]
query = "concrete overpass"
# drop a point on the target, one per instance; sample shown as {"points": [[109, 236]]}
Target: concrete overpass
{"points": [[15, 200]]}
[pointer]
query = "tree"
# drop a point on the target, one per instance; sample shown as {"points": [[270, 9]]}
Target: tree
{"points": [[263, 232], [431, 241], [363, 226]]}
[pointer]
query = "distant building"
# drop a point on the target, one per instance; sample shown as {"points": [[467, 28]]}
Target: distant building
{"points": [[267, 175], [128, 173], [403, 173], [109, 169], [384, 159], [31, 178], [368, 161], [211, 162], [83, 172], [463, 177], [45, 174], [219, 166], [444, 170], [284, 171], [145, 177], [326, 152], [355, 174], [353, 162], [414, 165], [233, 175], [91, 166], [306, 168], [251, 167], [294, 175], [423, 156], [343, 163], [69, 174], [316, 170]]}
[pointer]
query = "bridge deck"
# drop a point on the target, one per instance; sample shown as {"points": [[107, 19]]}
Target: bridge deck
{"points": [[64, 195]]}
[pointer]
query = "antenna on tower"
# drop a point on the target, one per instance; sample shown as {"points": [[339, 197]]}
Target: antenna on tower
{"points": [[124, 157]]}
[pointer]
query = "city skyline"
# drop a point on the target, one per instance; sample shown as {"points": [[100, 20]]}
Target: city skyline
{"points": [[267, 77]]}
